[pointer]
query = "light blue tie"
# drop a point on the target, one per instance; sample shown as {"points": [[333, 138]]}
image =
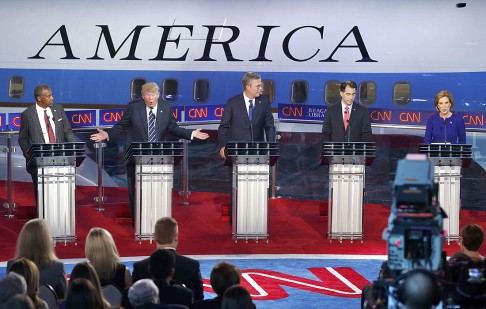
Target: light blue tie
{"points": [[152, 137], [250, 109]]}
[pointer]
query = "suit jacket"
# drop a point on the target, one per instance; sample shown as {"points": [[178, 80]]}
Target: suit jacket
{"points": [[31, 130], [187, 272], [134, 121], [358, 130], [168, 295], [213, 303], [235, 124]]}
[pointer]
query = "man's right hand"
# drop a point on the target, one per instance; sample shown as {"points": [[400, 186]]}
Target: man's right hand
{"points": [[221, 153], [100, 136]]}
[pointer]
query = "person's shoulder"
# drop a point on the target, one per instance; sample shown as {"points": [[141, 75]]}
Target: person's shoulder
{"points": [[237, 97], [186, 259], [141, 262]]}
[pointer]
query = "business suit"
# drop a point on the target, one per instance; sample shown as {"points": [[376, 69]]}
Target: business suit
{"points": [[235, 124], [31, 133], [134, 121], [358, 130], [187, 272]]}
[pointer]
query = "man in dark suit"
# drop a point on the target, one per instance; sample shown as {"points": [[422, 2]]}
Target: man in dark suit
{"points": [[136, 119], [347, 121], [187, 270], [43, 122], [236, 124]]}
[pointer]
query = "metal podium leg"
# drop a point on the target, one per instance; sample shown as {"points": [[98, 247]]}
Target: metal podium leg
{"points": [[449, 179], [56, 200], [153, 197]]}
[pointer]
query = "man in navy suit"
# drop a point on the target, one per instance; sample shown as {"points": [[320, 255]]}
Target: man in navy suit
{"points": [[135, 120], [357, 118], [34, 127], [236, 124]]}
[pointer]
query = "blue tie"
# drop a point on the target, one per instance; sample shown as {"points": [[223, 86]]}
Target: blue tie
{"points": [[152, 137], [250, 109]]}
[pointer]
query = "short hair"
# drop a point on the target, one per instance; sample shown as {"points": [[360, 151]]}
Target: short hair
{"points": [[224, 275], [12, 284], [161, 263], [142, 292], [248, 78], [165, 230], [29, 271], [440, 95], [19, 301], [100, 250], [83, 294], [347, 83], [35, 243], [419, 291], [472, 236], [238, 297], [150, 87], [39, 90]]}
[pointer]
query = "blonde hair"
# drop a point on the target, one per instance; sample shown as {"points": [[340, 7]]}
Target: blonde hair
{"points": [[165, 231], [100, 249], [35, 243], [29, 271], [150, 87]]}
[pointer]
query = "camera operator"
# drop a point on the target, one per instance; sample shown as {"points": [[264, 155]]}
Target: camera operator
{"points": [[472, 237]]}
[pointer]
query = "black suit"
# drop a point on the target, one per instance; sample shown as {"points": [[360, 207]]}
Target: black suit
{"points": [[358, 130], [31, 133], [187, 272], [235, 123], [134, 121]]}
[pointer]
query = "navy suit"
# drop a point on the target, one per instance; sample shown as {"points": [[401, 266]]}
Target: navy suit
{"points": [[358, 130], [134, 121], [235, 123]]}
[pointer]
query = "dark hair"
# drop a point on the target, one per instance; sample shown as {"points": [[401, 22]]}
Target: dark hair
{"points": [[82, 294], [347, 83], [237, 297], [161, 263], [39, 89], [224, 275], [472, 236]]}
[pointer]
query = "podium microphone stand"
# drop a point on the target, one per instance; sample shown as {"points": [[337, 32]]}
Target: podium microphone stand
{"points": [[56, 171], [448, 160], [347, 161], [154, 178], [251, 163]]}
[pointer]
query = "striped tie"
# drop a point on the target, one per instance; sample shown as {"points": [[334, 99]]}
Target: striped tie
{"points": [[152, 137]]}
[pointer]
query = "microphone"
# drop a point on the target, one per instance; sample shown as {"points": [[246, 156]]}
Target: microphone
{"points": [[445, 131]]}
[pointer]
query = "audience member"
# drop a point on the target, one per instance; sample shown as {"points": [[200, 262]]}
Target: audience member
{"points": [[223, 275], [419, 291], [83, 294], [29, 271], [84, 270], [100, 250], [187, 270], [237, 297], [35, 243], [472, 237], [144, 294], [19, 301], [11, 285]]}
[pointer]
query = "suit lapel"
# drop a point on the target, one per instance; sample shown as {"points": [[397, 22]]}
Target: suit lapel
{"points": [[37, 126], [158, 121], [242, 108], [55, 118], [142, 111]]}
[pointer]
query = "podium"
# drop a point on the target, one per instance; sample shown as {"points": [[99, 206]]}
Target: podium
{"points": [[448, 160], [251, 163], [347, 161], [154, 176], [56, 171]]}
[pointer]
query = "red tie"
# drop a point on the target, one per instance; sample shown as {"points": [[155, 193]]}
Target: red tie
{"points": [[50, 132], [346, 117]]}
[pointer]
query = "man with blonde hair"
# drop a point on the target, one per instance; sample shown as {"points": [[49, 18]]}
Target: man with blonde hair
{"points": [[146, 120], [187, 270]]}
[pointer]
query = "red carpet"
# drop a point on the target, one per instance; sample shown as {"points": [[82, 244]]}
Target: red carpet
{"points": [[294, 227]]}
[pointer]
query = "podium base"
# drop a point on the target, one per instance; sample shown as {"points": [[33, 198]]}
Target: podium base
{"points": [[246, 237], [341, 236]]}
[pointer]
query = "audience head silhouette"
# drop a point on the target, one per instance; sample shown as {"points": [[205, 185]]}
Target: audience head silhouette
{"points": [[19, 301], [11, 285], [83, 294], [161, 264], [237, 297], [419, 291], [143, 292], [27, 269], [166, 232], [224, 275]]}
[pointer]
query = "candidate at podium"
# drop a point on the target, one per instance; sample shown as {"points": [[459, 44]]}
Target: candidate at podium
{"points": [[347, 121], [43, 122], [444, 126], [146, 120], [247, 116]]}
